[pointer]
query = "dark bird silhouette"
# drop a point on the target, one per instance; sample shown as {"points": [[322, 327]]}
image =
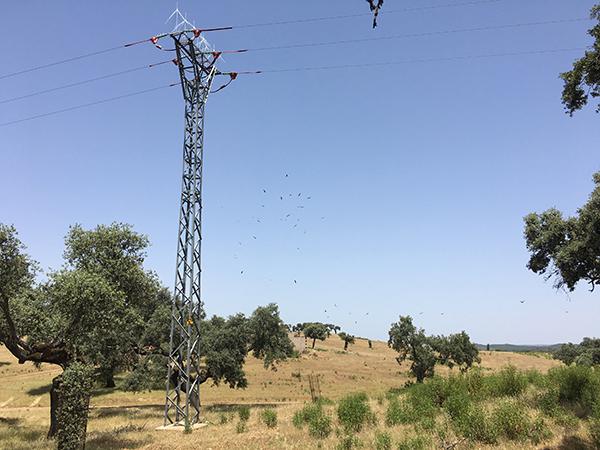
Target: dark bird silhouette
{"points": [[242, 272], [286, 175], [522, 301], [254, 237], [281, 197], [265, 191], [375, 9], [295, 282]]}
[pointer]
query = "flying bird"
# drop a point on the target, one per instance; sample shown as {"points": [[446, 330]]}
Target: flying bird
{"points": [[522, 301], [375, 9], [295, 282], [265, 191], [254, 237]]}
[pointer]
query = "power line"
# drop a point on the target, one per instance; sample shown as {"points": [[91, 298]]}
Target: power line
{"points": [[80, 83], [153, 39], [418, 61], [310, 68], [87, 105], [308, 45], [351, 16], [415, 35], [62, 61]]}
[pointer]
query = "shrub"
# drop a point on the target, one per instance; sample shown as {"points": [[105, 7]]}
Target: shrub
{"points": [[511, 420], [548, 403], [414, 443], [508, 382], [348, 443], [383, 441], [244, 413], [397, 413], [539, 431], [320, 426], [269, 417], [354, 412], [307, 414], [241, 427], [594, 428], [223, 418], [578, 387]]}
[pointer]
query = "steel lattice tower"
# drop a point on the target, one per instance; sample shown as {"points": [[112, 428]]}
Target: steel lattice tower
{"points": [[196, 70]]}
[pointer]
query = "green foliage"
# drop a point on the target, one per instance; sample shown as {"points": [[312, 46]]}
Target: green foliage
{"points": [[414, 443], [425, 351], [347, 338], [354, 412], [456, 350], [511, 420], [566, 249], [75, 388], [223, 418], [269, 417], [594, 430], [316, 331], [583, 81], [578, 387], [412, 344], [539, 431], [244, 413], [269, 338], [383, 441], [319, 426], [587, 353], [509, 382], [397, 412], [349, 442]]}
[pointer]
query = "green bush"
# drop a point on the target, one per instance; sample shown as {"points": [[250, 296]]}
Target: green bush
{"points": [[244, 413], [320, 426], [223, 418], [397, 413], [539, 431], [578, 387], [354, 412], [383, 441], [414, 443], [348, 443], [509, 382], [307, 414], [548, 403], [594, 428], [269, 417], [511, 420]]}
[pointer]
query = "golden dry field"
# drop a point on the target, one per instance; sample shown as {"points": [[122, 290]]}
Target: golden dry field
{"points": [[120, 420]]}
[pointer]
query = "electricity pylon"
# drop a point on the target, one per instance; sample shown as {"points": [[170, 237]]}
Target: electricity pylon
{"points": [[196, 69]]}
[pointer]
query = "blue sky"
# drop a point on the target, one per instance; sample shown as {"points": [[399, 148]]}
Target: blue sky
{"points": [[419, 174]]}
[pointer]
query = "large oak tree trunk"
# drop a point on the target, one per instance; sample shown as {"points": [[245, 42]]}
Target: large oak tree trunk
{"points": [[54, 406], [69, 403]]}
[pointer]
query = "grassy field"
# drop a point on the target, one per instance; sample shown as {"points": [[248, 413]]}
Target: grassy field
{"points": [[128, 420]]}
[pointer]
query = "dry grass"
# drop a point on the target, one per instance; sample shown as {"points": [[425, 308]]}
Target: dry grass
{"points": [[120, 420]]}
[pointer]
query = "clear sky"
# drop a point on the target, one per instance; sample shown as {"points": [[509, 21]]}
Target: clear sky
{"points": [[419, 174]]}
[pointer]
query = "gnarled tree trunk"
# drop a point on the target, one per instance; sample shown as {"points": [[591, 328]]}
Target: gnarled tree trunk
{"points": [[69, 405]]}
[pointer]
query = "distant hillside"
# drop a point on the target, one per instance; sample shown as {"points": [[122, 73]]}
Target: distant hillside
{"points": [[520, 348]]}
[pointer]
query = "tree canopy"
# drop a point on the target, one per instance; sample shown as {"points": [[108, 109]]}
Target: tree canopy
{"points": [[587, 353], [567, 250], [424, 351], [316, 331], [583, 80]]}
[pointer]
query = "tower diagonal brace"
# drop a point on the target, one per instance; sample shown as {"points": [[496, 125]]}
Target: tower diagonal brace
{"points": [[182, 405]]}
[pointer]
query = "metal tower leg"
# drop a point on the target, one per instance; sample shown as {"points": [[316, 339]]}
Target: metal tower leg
{"points": [[182, 406]]}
